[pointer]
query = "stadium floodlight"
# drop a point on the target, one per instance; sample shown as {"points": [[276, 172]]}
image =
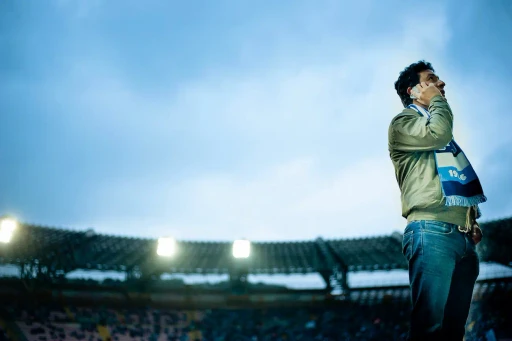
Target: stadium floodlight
{"points": [[166, 247], [241, 248], [7, 227]]}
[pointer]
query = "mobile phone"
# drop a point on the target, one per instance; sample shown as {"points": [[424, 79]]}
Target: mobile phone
{"points": [[414, 90]]}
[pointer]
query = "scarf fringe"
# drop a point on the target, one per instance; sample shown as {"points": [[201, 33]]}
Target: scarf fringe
{"points": [[457, 200]]}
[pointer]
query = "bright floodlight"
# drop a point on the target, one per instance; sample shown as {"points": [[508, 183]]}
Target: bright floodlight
{"points": [[7, 227], [166, 247], [241, 248]]}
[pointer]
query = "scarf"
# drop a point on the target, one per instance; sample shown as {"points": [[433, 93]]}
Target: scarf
{"points": [[459, 183]]}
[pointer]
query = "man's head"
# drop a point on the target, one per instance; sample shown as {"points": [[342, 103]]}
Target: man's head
{"points": [[421, 71]]}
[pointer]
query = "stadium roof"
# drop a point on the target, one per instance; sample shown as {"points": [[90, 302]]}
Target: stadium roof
{"points": [[66, 250]]}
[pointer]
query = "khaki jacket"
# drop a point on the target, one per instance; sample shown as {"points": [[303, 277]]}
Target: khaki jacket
{"points": [[412, 140]]}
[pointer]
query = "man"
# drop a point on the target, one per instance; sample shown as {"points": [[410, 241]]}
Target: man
{"points": [[440, 193]]}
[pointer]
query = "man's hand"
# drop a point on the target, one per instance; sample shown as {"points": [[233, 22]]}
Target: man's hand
{"points": [[425, 92], [477, 234]]}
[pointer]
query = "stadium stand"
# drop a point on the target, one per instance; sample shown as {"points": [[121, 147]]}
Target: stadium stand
{"points": [[54, 252], [375, 319], [44, 304]]}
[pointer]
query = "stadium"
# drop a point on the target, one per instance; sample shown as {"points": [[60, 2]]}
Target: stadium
{"points": [[255, 170], [40, 301]]}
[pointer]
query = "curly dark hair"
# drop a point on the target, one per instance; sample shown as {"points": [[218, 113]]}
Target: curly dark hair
{"points": [[409, 77]]}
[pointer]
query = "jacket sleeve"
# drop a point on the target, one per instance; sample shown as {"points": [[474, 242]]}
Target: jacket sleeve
{"points": [[412, 132]]}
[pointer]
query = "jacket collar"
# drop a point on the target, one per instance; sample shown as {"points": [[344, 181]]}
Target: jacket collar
{"points": [[420, 110]]}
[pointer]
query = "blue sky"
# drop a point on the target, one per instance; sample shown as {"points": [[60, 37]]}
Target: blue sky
{"points": [[226, 119]]}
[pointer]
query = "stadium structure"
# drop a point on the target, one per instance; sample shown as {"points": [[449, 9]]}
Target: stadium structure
{"points": [[42, 303]]}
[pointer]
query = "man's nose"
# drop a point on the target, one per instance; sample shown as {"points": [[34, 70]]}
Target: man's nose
{"points": [[440, 84]]}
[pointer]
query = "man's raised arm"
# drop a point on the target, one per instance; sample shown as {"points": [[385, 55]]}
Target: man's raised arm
{"points": [[414, 132]]}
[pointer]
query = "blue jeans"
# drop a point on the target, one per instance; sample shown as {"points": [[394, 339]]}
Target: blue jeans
{"points": [[443, 268]]}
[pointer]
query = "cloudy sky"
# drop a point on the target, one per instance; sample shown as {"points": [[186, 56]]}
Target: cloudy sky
{"points": [[224, 119]]}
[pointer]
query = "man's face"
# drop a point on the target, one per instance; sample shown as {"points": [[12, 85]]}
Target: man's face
{"points": [[431, 78]]}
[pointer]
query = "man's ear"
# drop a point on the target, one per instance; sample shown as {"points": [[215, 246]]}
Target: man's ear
{"points": [[409, 90]]}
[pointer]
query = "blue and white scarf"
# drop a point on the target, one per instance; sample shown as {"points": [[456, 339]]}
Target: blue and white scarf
{"points": [[459, 182]]}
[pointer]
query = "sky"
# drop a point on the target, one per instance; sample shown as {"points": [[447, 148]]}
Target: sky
{"points": [[217, 120]]}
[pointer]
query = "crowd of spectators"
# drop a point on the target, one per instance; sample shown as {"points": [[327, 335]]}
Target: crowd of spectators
{"points": [[386, 320]]}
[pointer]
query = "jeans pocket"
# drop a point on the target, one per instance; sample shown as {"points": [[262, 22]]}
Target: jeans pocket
{"points": [[437, 227], [407, 244], [412, 226], [412, 229]]}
